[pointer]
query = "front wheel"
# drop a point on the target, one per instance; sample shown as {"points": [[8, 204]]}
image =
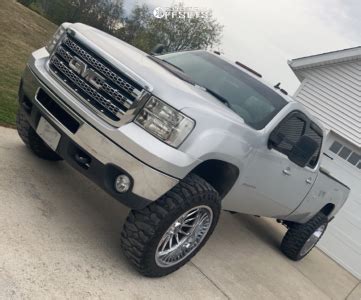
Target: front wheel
{"points": [[165, 235], [300, 239]]}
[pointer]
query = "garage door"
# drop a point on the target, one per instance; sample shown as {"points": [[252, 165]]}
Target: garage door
{"points": [[342, 240]]}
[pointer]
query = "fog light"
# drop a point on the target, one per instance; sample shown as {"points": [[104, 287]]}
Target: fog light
{"points": [[122, 183]]}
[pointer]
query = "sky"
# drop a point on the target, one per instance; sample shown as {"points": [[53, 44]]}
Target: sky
{"points": [[265, 34]]}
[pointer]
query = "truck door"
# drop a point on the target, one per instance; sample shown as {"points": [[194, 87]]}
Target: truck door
{"points": [[273, 185]]}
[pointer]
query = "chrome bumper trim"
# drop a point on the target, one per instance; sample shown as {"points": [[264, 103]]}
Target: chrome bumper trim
{"points": [[148, 182]]}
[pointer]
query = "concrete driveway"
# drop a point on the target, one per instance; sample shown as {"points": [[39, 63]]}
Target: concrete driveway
{"points": [[59, 238]]}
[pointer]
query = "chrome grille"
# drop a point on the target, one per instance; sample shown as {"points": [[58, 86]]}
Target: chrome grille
{"points": [[88, 58], [112, 95], [105, 86], [75, 79]]}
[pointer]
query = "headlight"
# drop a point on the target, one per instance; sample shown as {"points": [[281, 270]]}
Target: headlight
{"points": [[164, 122], [55, 39]]}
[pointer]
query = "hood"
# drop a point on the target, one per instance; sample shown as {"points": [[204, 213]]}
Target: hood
{"points": [[153, 77]]}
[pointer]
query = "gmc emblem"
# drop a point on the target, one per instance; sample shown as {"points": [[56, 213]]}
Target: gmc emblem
{"points": [[81, 68]]}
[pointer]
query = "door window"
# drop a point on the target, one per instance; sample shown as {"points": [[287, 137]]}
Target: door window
{"points": [[289, 132], [314, 132]]}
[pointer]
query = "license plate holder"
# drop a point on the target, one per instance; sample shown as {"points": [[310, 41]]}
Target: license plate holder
{"points": [[48, 133]]}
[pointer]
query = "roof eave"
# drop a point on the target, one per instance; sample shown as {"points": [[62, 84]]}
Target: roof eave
{"points": [[325, 59]]}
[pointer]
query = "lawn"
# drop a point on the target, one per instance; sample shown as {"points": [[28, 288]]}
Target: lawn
{"points": [[22, 31]]}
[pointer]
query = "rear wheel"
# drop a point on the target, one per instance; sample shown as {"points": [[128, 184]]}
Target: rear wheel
{"points": [[32, 139], [300, 239], [165, 235]]}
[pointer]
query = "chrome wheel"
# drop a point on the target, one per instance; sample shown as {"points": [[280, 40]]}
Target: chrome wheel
{"points": [[184, 236], [313, 239]]}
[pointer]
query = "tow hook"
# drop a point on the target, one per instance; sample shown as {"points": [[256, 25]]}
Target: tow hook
{"points": [[83, 160]]}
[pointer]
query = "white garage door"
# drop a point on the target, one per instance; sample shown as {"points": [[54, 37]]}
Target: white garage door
{"points": [[342, 240]]}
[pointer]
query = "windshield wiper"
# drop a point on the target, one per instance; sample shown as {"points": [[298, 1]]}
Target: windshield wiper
{"points": [[175, 70], [218, 96], [162, 61], [173, 65]]}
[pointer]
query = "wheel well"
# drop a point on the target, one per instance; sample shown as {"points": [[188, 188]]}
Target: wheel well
{"points": [[221, 175], [328, 208]]}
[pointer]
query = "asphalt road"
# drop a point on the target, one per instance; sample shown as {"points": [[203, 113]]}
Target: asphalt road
{"points": [[59, 238]]}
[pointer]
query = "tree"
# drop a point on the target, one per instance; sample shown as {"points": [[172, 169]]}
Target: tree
{"points": [[144, 31], [141, 28], [26, 2], [136, 27], [105, 15]]}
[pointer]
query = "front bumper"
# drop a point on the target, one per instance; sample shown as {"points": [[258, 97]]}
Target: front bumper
{"points": [[107, 158], [130, 137]]}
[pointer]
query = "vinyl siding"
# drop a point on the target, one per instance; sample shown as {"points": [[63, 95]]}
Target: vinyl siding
{"points": [[342, 240], [333, 94]]}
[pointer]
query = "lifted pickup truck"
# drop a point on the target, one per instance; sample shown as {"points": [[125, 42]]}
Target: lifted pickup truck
{"points": [[176, 137]]}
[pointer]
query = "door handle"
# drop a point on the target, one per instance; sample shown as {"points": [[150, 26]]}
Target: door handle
{"points": [[287, 172], [309, 180]]}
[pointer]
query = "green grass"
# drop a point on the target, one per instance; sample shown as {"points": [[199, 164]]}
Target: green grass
{"points": [[22, 31]]}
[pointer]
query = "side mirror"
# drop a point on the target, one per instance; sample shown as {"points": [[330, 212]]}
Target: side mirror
{"points": [[275, 139], [303, 151], [158, 49]]}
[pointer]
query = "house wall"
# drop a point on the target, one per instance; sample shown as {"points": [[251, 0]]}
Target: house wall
{"points": [[333, 94]]}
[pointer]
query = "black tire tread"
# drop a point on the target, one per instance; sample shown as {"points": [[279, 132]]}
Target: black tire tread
{"points": [[143, 227], [32, 139], [298, 234], [22, 126]]}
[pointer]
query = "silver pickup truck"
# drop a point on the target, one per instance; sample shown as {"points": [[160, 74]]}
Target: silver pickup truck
{"points": [[177, 137]]}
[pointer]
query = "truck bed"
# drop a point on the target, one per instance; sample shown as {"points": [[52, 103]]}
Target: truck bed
{"points": [[326, 190]]}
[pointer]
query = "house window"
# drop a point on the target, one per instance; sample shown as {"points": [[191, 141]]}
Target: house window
{"points": [[354, 158], [336, 147], [346, 153]]}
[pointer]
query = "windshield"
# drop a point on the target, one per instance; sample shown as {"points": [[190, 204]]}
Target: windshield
{"points": [[250, 99]]}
